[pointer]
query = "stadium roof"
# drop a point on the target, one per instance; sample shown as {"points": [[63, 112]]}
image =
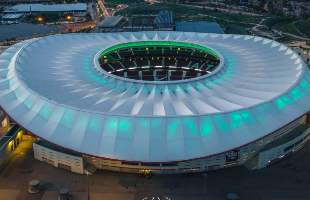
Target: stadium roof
{"points": [[25, 8], [12, 16], [201, 26], [51, 87]]}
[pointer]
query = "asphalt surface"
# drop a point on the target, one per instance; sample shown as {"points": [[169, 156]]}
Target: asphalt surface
{"points": [[287, 180], [23, 30]]}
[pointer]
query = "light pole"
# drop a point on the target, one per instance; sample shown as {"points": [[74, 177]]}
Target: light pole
{"points": [[87, 174]]}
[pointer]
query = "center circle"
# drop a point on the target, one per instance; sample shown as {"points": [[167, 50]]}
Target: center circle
{"points": [[158, 61]]}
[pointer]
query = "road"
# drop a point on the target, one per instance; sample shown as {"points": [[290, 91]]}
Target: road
{"points": [[118, 8], [227, 20], [101, 5], [274, 33], [269, 34], [92, 11], [291, 35]]}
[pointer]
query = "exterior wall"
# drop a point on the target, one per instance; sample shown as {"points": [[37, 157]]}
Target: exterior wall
{"points": [[231, 158], [266, 157], [283, 131], [58, 159]]}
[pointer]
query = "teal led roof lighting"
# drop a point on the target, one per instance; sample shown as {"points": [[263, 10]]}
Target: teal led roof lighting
{"points": [[54, 87]]}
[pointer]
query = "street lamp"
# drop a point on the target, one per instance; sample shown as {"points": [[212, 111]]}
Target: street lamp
{"points": [[69, 18], [40, 19], [87, 175]]}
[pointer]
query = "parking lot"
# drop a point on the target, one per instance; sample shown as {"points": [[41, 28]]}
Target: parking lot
{"points": [[287, 180]]}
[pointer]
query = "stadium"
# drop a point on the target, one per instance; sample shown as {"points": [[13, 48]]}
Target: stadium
{"points": [[163, 102]]}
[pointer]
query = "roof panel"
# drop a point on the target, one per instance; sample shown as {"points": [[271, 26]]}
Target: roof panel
{"points": [[51, 87]]}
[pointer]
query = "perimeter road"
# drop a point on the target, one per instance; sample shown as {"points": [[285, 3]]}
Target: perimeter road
{"points": [[288, 179]]}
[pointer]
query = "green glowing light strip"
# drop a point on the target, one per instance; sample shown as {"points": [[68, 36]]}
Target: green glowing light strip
{"points": [[158, 44]]}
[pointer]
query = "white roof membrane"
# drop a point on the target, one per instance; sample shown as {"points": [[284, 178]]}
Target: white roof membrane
{"points": [[50, 86]]}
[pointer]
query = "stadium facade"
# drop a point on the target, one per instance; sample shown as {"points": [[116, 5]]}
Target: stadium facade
{"points": [[169, 102]]}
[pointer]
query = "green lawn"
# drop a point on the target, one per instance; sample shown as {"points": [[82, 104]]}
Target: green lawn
{"points": [[288, 28], [303, 26], [113, 3], [183, 12], [234, 28], [232, 23], [300, 27], [273, 20]]}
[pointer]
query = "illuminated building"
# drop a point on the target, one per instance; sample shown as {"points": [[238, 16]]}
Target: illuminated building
{"points": [[37, 8], [169, 102]]}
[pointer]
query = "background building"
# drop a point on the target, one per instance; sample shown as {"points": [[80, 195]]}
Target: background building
{"points": [[76, 9]]}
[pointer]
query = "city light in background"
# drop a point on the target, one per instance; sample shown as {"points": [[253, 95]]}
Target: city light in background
{"points": [[40, 19]]}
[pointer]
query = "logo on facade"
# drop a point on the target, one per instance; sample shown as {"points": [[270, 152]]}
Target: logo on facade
{"points": [[232, 156]]}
